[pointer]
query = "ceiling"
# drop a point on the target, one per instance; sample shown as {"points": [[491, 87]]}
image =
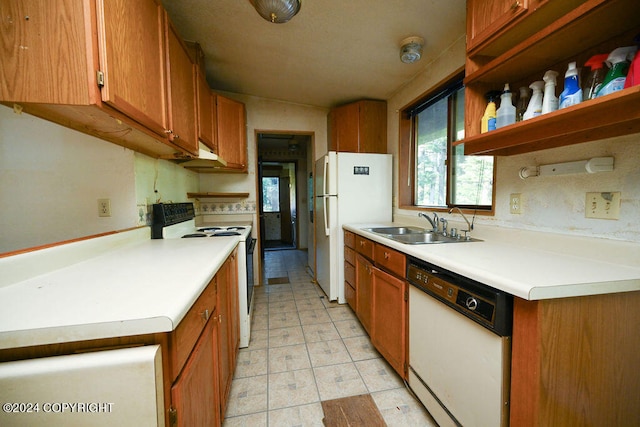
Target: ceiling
{"points": [[331, 53]]}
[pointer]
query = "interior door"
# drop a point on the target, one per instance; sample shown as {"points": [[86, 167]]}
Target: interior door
{"points": [[286, 222]]}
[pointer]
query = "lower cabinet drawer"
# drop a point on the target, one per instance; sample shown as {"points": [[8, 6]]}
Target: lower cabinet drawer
{"points": [[392, 260], [350, 296], [184, 338], [349, 273]]}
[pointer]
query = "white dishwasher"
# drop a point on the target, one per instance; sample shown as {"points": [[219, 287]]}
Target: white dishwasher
{"points": [[459, 347], [120, 387]]}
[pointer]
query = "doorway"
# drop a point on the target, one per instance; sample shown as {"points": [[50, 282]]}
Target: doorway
{"points": [[284, 206], [278, 207]]}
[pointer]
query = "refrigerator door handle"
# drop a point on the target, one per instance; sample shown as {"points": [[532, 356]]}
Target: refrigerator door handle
{"points": [[325, 175], [325, 202]]}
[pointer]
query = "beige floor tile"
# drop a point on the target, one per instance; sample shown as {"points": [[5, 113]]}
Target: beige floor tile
{"points": [[259, 339], [259, 323], [310, 317], [349, 328], [252, 420], [298, 416], [378, 375], [292, 388], [283, 320], [399, 409], [260, 308], [320, 332], [361, 348], [251, 363], [289, 358], [247, 395], [341, 312], [282, 306], [285, 336], [337, 381], [323, 353], [299, 294], [313, 303], [280, 296]]}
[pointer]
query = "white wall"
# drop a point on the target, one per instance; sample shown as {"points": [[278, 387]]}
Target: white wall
{"points": [[553, 204], [51, 179], [271, 115]]}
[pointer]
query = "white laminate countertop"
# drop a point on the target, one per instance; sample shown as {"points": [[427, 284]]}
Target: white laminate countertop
{"points": [[526, 268], [140, 287]]}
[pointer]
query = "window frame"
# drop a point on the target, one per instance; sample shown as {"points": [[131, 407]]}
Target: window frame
{"points": [[406, 153]]}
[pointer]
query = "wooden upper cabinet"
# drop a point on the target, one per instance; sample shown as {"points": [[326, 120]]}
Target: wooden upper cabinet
{"points": [[206, 113], [486, 18], [40, 51], [181, 74], [232, 133], [359, 127], [132, 60]]}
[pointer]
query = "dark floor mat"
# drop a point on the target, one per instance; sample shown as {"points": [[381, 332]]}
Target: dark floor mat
{"points": [[352, 411], [277, 280]]}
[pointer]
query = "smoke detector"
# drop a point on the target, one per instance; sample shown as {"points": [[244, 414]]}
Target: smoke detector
{"points": [[411, 49]]}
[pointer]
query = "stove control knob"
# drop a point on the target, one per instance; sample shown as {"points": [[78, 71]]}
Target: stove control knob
{"points": [[471, 303]]}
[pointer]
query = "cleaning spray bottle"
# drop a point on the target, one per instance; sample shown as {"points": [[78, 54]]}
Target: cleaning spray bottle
{"points": [[535, 105], [572, 93], [488, 122], [506, 114], [523, 101], [550, 100], [633, 76], [619, 61], [595, 77]]}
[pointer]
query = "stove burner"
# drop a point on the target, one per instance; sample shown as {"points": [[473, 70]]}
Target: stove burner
{"points": [[225, 233], [236, 228], [194, 235], [209, 229]]}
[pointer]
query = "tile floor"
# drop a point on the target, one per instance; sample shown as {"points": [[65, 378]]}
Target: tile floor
{"points": [[304, 350]]}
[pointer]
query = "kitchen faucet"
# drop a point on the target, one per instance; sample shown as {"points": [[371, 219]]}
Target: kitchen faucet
{"points": [[469, 225], [433, 222]]}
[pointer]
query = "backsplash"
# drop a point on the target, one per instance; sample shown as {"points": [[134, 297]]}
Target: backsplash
{"points": [[226, 208]]}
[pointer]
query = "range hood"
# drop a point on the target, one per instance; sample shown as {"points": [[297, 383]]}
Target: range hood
{"points": [[205, 161]]}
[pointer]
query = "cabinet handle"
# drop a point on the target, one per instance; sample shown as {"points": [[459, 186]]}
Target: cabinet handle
{"points": [[386, 255], [515, 5], [168, 131], [205, 314]]}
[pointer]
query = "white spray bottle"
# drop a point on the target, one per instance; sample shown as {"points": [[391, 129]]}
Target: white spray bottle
{"points": [[550, 101], [534, 109]]}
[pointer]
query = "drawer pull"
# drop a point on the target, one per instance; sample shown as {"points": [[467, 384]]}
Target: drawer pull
{"points": [[386, 255], [515, 5], [205, 314]]}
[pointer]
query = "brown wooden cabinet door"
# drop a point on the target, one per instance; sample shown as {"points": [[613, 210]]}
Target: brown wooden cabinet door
{"points": [[131, 43], [57, 67], [485, 18], [194, 395], [181, 93], [228, 332], [364, 296], [390, 319], [206, 117], [344, 128], [232, 133]]}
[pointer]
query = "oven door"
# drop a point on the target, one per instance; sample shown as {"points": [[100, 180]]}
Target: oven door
{"points": [[458, 369]]}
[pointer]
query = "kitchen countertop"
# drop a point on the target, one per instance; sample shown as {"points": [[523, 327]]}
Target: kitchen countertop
{"points": [[526, 268], [142, 286]]}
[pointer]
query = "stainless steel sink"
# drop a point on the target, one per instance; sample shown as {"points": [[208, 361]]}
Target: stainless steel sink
{"points": [[397, 230], [415, 235]]}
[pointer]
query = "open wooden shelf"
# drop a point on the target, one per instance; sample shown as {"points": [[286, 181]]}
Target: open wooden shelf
{"points": [[613, 115], [596, 26], [217, 195]]}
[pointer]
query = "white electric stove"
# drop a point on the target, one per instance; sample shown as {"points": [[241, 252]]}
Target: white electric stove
{"points": [[177, 220]]}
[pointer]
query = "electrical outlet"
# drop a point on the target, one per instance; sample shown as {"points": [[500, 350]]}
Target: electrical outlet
{"points": [[605, 205], [515, 203], [104, 207]]}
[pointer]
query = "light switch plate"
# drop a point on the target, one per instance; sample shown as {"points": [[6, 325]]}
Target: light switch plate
{"points": [[604, 205]]}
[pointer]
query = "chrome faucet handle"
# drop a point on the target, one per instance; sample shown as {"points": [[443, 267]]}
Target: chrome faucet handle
{"points": [[445, 224], [435, 223]]}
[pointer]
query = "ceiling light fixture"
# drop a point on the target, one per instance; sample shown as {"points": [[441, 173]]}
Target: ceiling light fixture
{"points": [[277, 11], [411, 49]]}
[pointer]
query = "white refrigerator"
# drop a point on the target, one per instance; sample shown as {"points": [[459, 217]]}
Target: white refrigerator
{"points": [[349, 188]]}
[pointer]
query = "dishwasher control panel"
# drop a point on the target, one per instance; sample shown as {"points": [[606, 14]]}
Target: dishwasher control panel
{"points": [[485, 305]]}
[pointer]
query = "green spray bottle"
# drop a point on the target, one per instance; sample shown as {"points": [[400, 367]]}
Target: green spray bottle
{"points": [[619, 59]]}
